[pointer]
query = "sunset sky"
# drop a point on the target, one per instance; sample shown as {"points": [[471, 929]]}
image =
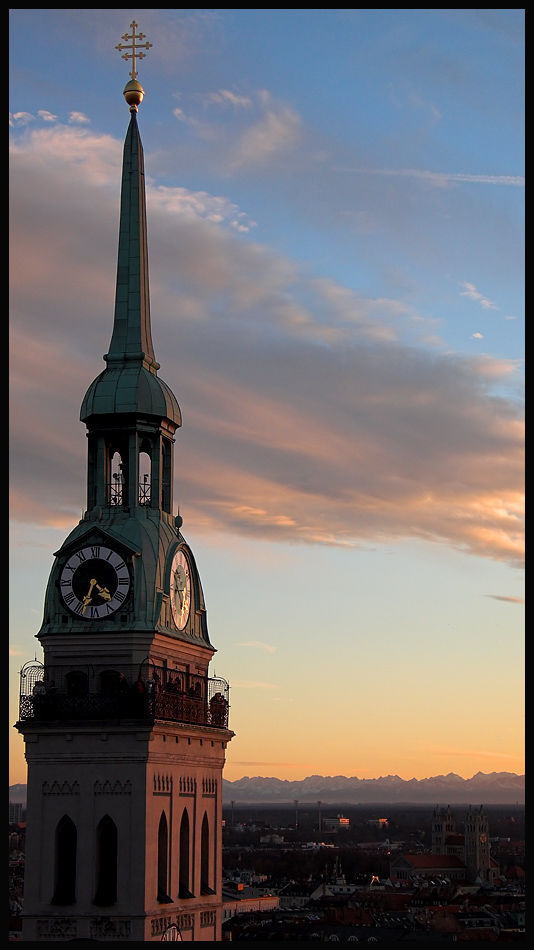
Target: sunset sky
{"points": [[335, 225]]}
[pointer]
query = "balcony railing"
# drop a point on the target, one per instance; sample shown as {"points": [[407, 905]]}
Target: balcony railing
{"points": [[116, 491], [148, 692]]}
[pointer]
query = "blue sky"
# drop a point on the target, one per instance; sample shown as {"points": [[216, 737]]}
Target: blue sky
{"points": [[336, 218]]}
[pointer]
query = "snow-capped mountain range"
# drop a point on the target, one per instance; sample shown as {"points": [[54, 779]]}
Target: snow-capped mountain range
{"points": [[493, 788]]}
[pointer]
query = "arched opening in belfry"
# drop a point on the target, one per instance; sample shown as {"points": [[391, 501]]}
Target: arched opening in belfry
{"points": [[166, 475], [66, 840], [117, 481], [106, 862], [145, 475], [184, 865], [163, 860]]}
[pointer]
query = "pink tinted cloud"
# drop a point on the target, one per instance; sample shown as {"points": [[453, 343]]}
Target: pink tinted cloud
{"points": [[303, 421]]}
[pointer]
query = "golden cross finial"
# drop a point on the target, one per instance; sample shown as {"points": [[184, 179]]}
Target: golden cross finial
{"points": [[134, 47]]}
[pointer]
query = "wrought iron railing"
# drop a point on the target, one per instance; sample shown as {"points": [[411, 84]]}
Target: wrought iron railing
{"points": [[146, 692], [116, 492]]}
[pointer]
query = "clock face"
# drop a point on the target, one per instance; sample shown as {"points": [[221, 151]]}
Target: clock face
{"points": [[94, 582], [180, 589]]}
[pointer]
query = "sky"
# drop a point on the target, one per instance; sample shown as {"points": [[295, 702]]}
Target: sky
{"points": [[335, 205]]}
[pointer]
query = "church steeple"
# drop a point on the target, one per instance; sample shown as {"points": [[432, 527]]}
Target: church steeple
{"points": [[125, 729], [132, 338], [128, 409]]}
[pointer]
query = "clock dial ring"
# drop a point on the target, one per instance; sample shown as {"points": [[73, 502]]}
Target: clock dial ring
{"points": [[180, 589], [94, 582]]}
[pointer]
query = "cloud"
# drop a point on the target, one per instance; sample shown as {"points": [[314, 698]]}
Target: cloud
{"points": [[252, 684], [20, 118], [258, 644], [47, 116], [509, 600], [258, 130], [227, 97], [471, 291], [311, 413], [79, 118], [442, 179], [477, 336], [277, 131], [200, 204]]}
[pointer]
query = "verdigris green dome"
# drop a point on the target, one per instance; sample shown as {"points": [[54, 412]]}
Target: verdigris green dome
{"points": [[130, 388]]}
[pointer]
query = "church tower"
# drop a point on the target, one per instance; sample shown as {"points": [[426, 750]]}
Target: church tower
{"points": [[125, 730], [443, 826], [477, 848]]}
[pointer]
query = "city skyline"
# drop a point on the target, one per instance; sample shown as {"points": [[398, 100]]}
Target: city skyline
{"points": [[335, 228]]}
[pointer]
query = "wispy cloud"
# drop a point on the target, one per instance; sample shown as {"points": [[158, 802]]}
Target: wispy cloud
{"points": [[78, 118], [227, 97], [259, 645], [20, 118], [278, 130], [253, 684], [471, 291], [441, 179], [470, 753], [508, 600]]}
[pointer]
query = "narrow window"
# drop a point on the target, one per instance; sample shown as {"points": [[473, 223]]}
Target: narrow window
{"points": [[145, 467], [166, 480], [117, 483], [184, 891], [205, 858], [106, 863], [163, 851], [65, 862]]}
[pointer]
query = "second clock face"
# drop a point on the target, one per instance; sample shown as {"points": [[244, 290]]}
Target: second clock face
{"points": [[94, 582], [180, 591]]}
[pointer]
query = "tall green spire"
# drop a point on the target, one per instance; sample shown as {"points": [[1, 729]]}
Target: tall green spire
{"points": [[130, 383], [132, 338]]}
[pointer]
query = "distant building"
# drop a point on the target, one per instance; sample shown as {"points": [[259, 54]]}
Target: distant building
{"points": [[408, 868], [17, 812], [473, 846], [295, 895], [455, 857], [334, 824], [239, 898], [378, 822]]}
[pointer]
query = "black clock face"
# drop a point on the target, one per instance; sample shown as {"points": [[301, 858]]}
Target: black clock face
{"points": [[94, 582]]}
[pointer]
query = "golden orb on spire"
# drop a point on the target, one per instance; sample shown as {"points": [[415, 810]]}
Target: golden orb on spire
{"points": [[134, 94]]}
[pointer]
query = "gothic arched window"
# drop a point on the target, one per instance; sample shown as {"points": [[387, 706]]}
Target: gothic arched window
{"points": [[106, 862], [184, 890], [205, 857], [65, 862], [163, 852]]}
